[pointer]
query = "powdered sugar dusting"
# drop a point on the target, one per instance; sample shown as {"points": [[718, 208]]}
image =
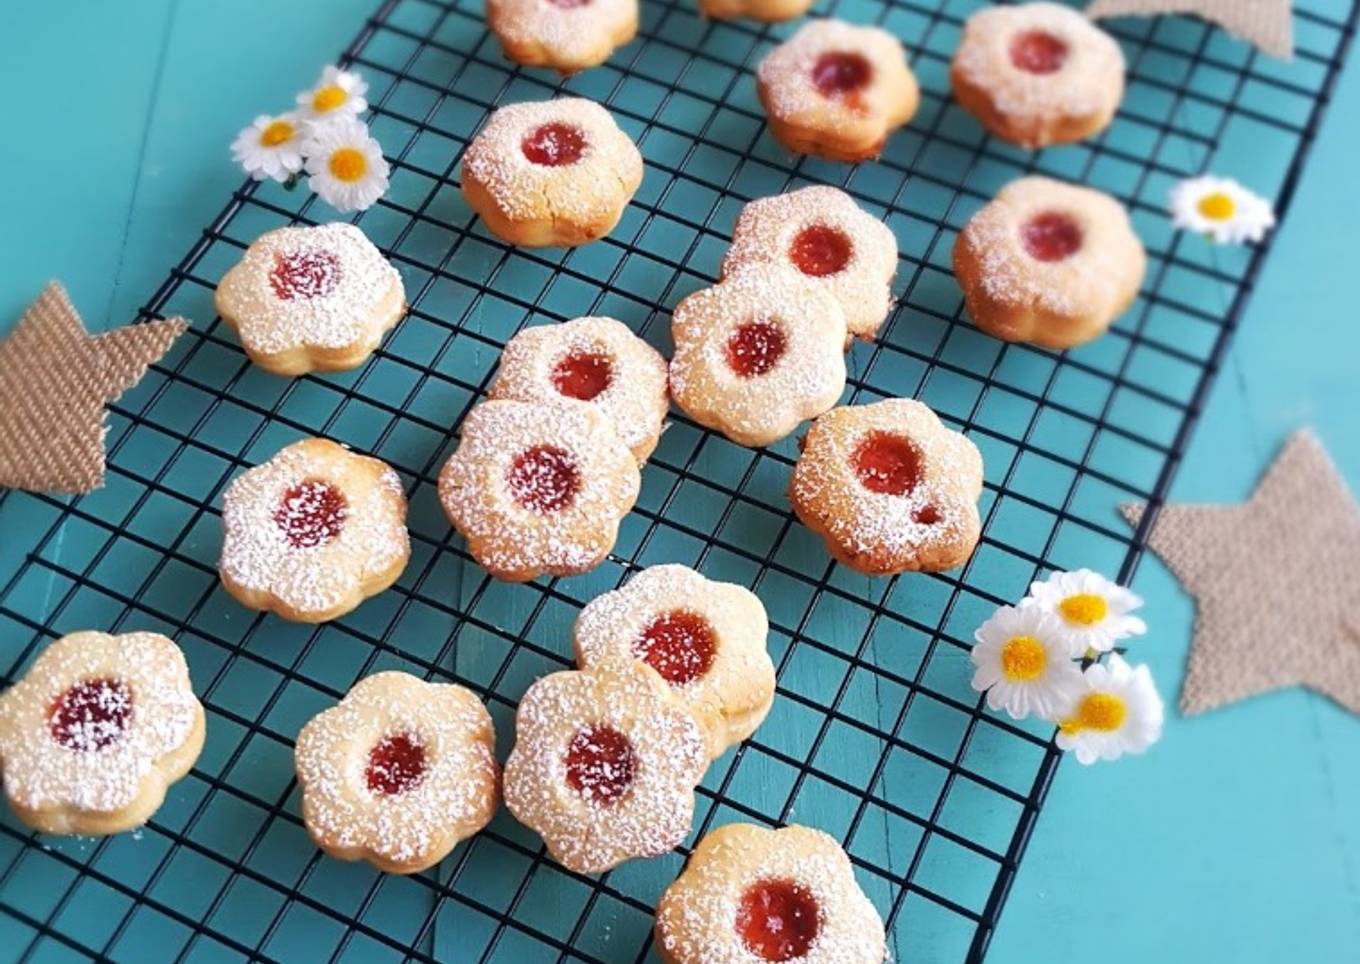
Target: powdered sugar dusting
{"points": [[583, 831], [567, 35], [697, 916]]}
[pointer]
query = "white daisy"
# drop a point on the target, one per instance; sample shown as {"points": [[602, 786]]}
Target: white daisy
{"points": [[1024, 663], [338, 94], [346, 166], [1220, 208], [270, 147], [1119, 712], [1092, 610]]}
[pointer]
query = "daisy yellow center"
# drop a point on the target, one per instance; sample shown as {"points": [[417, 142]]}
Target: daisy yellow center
{"points": [[328, 98], [348, 164], [1084, 609], [1104, 712], [278, 132], [1217, 206], [1023, 659]]}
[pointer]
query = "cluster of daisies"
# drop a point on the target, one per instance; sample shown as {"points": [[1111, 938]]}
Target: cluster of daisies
{"points": [[1221, 209], [322, 137], [1029, 662]]}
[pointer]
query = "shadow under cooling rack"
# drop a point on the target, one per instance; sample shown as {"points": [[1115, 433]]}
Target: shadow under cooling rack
{"points": [[876, 735]]}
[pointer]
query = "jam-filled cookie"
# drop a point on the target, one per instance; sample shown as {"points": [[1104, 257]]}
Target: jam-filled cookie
{"points": [[749, 894], [313, 532], [767, 11], [705, 638], [311, 299], [398, 772], [837, 90], [554, 172], [758, 353], [596, 360], [538, 488], [1038, 73], [820, 232], [96, 730], [889, 488], [565, 35], [1048, 263], [604, 766]]}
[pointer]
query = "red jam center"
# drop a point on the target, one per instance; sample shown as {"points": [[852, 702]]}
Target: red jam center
{"points": [[820, 250], [601, 764], [755, 348], [679, 645], [777, 920], [305, 274], [554, 145], [311, 514], [839, 74], [91, 715], [395, 765], [544, 478], [887, 463], [1050, 236], [926, 515], [582, 375], [1038, 52]]}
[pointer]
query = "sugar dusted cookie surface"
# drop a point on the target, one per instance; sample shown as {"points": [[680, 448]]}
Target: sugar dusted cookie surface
{"points": [[837, 90], [749, 894], [551, 173], [306, 299], [565, 35], [313, 532], [1049, 263], [96, 730], [538, 487], [596, 360], [758, 353], [1038, 73], [889, 488], [398, 772], [824, 235], [706, 639], [604, 766]]}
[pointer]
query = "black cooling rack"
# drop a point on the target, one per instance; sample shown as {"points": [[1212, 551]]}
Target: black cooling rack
{"points": [[876, 736]]}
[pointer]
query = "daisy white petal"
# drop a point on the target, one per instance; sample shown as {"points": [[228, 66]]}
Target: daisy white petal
{"points": [[1093, 612], [338, 94], [270, 147], [1220, 208], [1024, 664], [1118, 711], [345, 165]]}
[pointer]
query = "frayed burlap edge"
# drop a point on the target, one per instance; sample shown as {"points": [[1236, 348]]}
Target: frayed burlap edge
{"points": [[1268, 24]]}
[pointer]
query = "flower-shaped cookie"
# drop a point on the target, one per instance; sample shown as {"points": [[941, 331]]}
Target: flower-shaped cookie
{"points": [[566, 35], [398, 772], [889, 488], [552, 172], [705, 638], [538, 488], [749, 894], [605, 765], [1038, 73], [96, 730], [307, 299], [837, 90], [596, 360], [758, 353], [313, 532], [823, 234], [1048, 263], [767, 11]]}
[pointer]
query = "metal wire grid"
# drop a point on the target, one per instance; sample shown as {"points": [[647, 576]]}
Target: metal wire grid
{"points": [[876, 736]]}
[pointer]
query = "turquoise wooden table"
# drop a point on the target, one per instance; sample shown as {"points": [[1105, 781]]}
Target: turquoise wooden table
{"points": [[1235, 839]]}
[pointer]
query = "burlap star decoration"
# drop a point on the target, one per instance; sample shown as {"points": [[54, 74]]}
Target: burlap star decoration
{"points": [[1276, 580], [55, 379], [1268, 24]]}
